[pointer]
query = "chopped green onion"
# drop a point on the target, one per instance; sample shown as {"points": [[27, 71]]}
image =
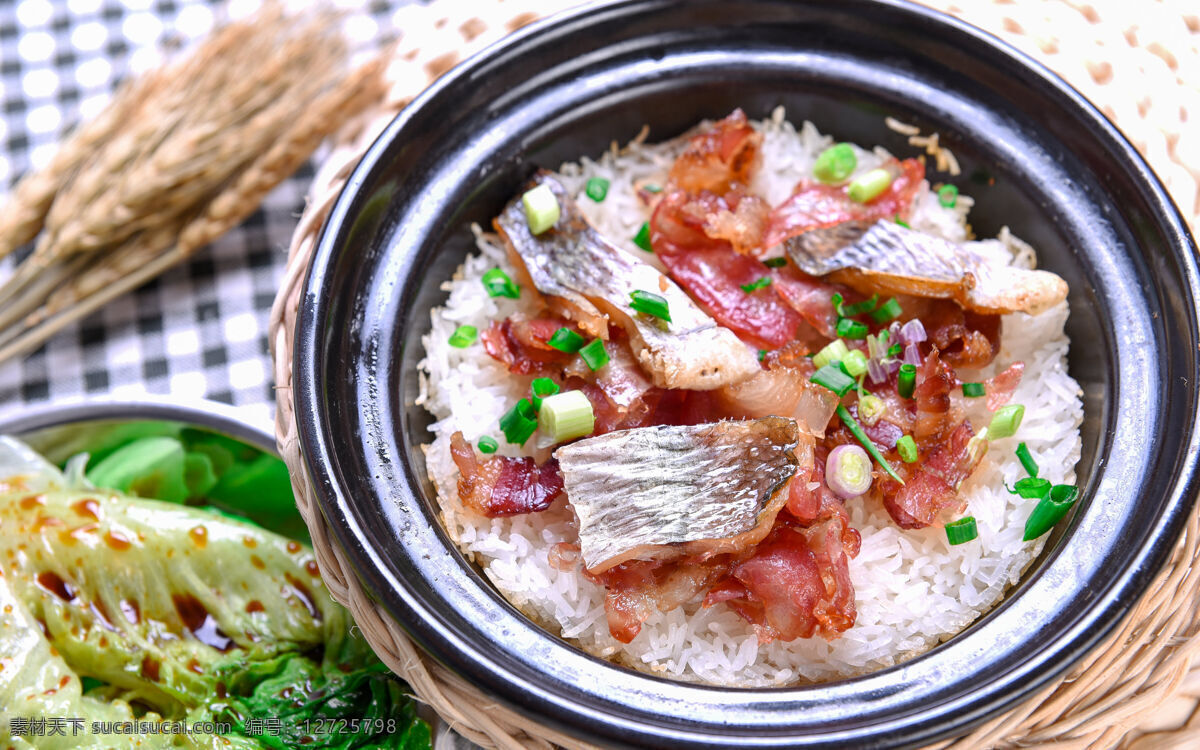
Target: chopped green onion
{"points": [[848, 471], [541, 208], [855, 363], [642, 238], [834, 351], [857, 432], [961, 531], [832, 377], [1050, 510], [1026, 459], [906, 383], [974, 390], [907, 448], [463, 336], [858, 308], [851, 329], [542, 387], [594, 355], [837, 299], [779, 262], [652, 188], [519, 423], [869, 186], [894, 350], [1006, 421], [650, 303], [870, 409], [753, 286], [901, 222], [497, 284], [488, 444], [762, 354], [835, 164], [566, 340], [948, 195], [597, 188], [567, 415], [1031, 487], [887, 312]]}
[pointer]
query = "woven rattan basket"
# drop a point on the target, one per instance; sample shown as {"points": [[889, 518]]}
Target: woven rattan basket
{"points": [[1140, 63]]}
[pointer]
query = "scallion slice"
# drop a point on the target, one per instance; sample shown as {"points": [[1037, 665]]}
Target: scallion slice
{"points": [[519, 423], [961, 531], [488, 444], [948, 195], [895, 350], [1050, 510], [566, 340], [1006, 421], [762, 354], [775, 262], [855, 363], [542, 387], [858, 433], [642, 238], [871, 409], [541, 208], [901, 222], [887, 312], [594, 355], [567, 415], [754, 286], [974, 390], [869, 186], [907, 448], [851, 329], [834, 351], [835, 164], [650, 303], [858, 308], [463, 336], [1032, 487], [1026, 459], [906, 382], [497, 284], [832, 377], [597, 189], [652, 188]]}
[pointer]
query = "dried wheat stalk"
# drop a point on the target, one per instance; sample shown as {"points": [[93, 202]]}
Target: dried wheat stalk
{"points": [[179, 157]]}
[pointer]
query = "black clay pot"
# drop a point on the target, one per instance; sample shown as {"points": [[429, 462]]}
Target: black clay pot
{"points": [[1041, 159]]}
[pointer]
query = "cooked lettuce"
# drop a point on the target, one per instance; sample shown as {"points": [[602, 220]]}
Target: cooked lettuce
{"points": [[117, 607]]}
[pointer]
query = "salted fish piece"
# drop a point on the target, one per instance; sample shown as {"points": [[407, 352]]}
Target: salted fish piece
{"points": [[888, 258], [588, 280], [669, 491]]}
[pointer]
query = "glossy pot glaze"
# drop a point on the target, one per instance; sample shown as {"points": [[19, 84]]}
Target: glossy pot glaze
{"points": [[1035, 155]]}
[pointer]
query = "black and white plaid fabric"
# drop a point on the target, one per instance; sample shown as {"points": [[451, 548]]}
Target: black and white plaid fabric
{"points": [[199, 331]]}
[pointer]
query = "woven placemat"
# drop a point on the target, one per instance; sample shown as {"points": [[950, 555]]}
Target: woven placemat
{"points": [[1140, 63]]}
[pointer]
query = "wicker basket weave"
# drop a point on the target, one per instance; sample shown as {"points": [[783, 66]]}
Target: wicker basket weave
{"points": [[1140, 63]]}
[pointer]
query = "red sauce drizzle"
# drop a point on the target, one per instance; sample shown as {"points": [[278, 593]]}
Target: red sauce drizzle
{"points": [[301, 592], [255, 605], [199, 536], [88, 508], [57, 586], [150, 667], [194, 666], [311, 567], [117, 541], [200, 623]]}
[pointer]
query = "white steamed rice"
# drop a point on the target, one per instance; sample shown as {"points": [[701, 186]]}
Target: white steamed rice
{"points": [[912, 589]]}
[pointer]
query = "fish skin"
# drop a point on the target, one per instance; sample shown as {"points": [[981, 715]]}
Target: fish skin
{"points": [[663, 492], [588, 280], [886, 257]]}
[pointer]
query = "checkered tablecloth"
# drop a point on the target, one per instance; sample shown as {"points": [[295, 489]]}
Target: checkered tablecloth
{"points": [[200, 331]]}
